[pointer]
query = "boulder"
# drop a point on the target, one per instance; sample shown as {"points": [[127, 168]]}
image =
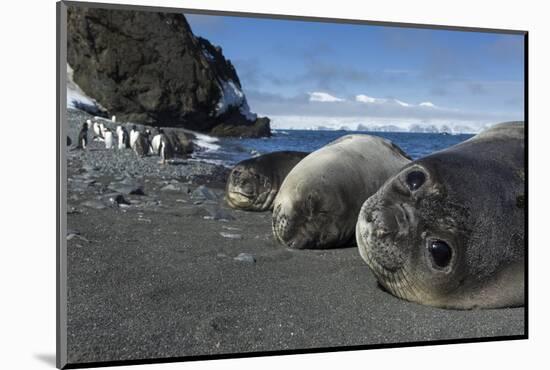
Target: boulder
{"points": [[149, 68]]}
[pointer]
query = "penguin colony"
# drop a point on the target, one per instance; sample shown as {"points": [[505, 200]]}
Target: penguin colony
{"points": [[143, 142]]}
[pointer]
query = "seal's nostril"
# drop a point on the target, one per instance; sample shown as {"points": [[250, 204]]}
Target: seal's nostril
{"points": [[415, 179]]}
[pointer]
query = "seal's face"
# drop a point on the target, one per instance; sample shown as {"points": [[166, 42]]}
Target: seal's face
{"points": [[248, 188], [308, 219], [411, 235]]}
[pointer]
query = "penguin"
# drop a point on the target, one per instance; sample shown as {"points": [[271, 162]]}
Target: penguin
{"points": [[141, 144], [103, 129], [108, 135], [155, 142], [166, 151], [147, 138], [134, 133], [113, 118], [97, 130], [123, 138], [83, 136]]}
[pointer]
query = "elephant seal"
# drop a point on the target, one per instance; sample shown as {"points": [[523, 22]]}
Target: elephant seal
{"points": [[318, 203], [448, 229], [253, 183]]}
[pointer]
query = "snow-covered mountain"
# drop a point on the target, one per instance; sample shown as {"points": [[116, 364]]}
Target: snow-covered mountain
{"points": [[376, 124]]}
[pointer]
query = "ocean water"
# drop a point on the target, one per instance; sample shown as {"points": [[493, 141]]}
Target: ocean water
{"points": [[228, 151]]}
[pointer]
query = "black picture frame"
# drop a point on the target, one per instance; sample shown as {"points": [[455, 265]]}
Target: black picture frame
{"points": [[61, 190]]}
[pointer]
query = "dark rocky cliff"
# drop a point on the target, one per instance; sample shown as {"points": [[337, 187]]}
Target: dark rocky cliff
{"points": [[149, 68]]}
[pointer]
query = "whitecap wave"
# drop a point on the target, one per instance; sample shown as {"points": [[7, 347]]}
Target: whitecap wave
{"points": [[207, 143]]}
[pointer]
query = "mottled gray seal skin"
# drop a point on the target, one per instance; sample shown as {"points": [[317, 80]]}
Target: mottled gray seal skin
{"points": [[253, 183], [448, 229], [318, 203]]}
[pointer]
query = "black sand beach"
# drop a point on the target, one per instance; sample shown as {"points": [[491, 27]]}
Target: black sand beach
{"points": [[178, 273]]}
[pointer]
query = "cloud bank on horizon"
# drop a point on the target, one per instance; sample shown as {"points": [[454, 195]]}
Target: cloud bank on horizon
{"points": [[307, 75]]}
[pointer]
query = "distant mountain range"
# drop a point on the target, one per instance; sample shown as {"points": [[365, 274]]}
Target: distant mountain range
{"points": [[353, 124]]}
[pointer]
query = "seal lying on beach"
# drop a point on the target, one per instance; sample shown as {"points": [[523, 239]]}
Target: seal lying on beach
{"points": [[253, 183], [448, 229], [318, 203]]}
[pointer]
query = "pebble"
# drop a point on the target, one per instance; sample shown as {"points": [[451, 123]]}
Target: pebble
{"points": [[245, 257], [231, 236], [170, 187], [128, 189], [118, 199], [77, 235], [202, 192], [230, 228], [218, 214], [94, 204]]}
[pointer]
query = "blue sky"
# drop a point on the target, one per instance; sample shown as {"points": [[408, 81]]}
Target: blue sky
{"points": [[339, 72]]}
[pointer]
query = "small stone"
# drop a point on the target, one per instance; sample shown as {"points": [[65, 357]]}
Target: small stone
{"points": [[230, 228], [185, 189], [245, 257], [219, 214], [170, 187], [231, 236], [94, 204], [128, 189], [76, 234], [119, 200], [202, 192], [72, 211]]}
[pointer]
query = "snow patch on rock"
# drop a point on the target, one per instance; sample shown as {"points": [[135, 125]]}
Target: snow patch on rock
{"points": [[77, 99], [233, 96]]}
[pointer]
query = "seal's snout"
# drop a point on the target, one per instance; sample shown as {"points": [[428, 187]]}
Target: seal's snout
{"points": [[377, 231], [286, 231]]}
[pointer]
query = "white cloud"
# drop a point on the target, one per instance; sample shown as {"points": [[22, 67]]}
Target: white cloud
{"points": [[372, 112], [427, 104], [361, 98], [324, 97], [401, 103]]}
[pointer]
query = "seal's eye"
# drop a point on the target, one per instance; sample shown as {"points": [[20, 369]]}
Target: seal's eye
{"points": [[441, 253], [415, 179]]}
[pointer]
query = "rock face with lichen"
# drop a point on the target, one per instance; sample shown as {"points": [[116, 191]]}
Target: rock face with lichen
{"points": [[150, 68]]}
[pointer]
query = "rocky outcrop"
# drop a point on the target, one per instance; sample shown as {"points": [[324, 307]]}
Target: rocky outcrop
{"points": [[149, 68]]}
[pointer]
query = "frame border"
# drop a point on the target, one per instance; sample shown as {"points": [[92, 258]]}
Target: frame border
{"points": [[61, 188]]}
